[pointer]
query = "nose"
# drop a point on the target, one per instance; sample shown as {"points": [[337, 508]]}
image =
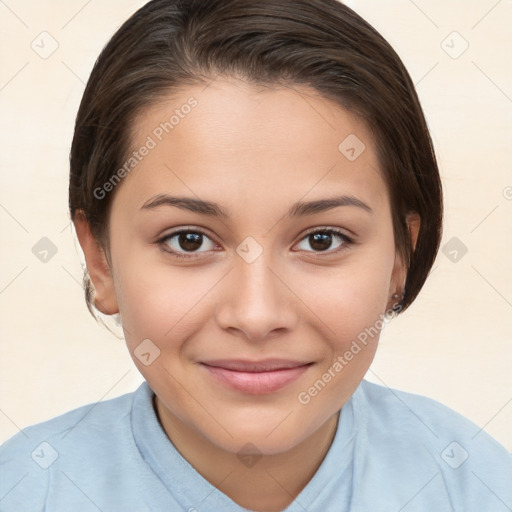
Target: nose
{"points": [[257, 300]]}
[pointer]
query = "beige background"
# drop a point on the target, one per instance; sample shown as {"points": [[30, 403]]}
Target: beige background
{"points": [[455, 342]]}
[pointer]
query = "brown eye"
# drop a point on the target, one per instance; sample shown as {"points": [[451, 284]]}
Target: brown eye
{"points": [[190, 241], [322, 240], [179, 243]]}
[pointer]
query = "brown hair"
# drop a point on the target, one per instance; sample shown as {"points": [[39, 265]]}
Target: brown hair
{"points": [[322, 44]]}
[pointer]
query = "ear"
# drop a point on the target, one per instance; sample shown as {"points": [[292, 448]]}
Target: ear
{"points": [[399, 274], [105, 298], [413, 223]]}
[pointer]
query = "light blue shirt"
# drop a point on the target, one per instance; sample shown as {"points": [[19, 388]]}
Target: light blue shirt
{"points": [[393, 451]]}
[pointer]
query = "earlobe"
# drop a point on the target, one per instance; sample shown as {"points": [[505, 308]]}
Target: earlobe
{"points": [[413, 223], [396, 289], [99, 270], [399, 275]]}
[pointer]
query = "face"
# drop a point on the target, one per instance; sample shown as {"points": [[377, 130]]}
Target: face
{"points": [[242, 313]]}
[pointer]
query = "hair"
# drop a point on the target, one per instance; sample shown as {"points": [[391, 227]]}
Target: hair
{"points": [[322, 44]]}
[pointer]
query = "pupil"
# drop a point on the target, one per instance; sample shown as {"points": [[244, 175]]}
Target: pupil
{"points": [[190, 241], [321, 241]]}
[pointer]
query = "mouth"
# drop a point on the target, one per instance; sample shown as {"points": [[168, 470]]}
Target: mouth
{"points": [[255, 377]]}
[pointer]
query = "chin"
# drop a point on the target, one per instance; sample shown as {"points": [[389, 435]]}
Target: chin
{"points": [[250, 444], [268, 437]]}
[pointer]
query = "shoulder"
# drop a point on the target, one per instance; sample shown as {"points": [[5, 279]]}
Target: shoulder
{"points": [[32, 457], [467, 464], [425, 417], [103, 414]]}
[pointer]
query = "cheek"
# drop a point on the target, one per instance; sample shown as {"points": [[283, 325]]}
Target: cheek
{"points": [[351, 297], [352, 306], [352, 310], [160, 302]]}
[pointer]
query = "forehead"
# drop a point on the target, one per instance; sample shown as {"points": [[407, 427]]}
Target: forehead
{"points": [[242, 142]]}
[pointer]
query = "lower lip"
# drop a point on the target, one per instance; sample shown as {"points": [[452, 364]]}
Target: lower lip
{"points": [[256, 383]]}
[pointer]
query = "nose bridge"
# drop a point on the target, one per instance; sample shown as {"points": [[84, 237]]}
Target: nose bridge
{"points": [[257, 301], [256, 276]]}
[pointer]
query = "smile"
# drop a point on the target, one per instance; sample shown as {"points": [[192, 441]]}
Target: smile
{"points": [[254, 377]]}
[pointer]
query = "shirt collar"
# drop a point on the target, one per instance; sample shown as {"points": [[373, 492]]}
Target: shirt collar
{"points": [[192, 490]]}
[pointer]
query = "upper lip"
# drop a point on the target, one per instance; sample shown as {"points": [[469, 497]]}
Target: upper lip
{"points": [[243, 365]]}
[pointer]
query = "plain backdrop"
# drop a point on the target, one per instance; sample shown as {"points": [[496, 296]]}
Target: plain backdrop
{"points": [[454, 344]]}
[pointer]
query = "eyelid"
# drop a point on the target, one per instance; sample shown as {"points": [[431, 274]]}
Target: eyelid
{"points": [[330, 229], [185, 229]]}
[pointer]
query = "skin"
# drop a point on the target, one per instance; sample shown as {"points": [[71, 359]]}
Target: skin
{"points": [[255, 151]]}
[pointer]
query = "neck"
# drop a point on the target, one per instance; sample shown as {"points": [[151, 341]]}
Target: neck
{"points": [[268, 483]]}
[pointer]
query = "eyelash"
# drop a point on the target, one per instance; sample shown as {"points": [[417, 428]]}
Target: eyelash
{"points": [[330, 231]]}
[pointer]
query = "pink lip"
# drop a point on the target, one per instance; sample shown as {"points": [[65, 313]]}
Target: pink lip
{"points": [[256, 377]]}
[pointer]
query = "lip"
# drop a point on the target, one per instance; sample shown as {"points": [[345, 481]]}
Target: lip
{"points": [[255, 377]]}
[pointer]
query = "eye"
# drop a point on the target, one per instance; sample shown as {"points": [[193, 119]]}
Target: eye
{"points": [[184, 241], [321, 240], [188, 240]]}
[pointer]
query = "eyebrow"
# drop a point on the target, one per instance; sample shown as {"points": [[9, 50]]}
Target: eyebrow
{"points": [[215, 210]]}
